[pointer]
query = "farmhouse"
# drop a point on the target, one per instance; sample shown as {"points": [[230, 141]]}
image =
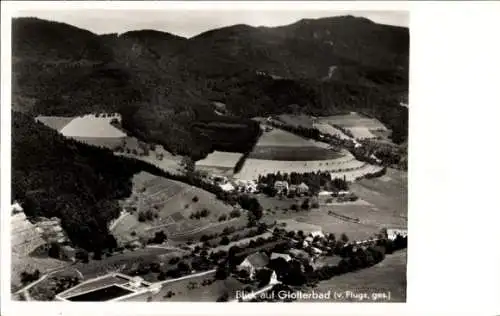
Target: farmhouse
{"points": [[280, 186], [254, 262], [284, 256], [228, 187], [110, 287]]}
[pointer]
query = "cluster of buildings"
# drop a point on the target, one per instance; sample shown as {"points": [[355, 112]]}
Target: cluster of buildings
{"points": [[255, 262], [237, 185]]}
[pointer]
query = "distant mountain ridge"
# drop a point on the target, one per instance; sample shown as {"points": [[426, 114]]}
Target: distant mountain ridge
{"points": [[162, 84]]}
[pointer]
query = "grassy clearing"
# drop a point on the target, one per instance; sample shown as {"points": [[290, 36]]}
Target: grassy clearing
{"points": [[353, 120], [361, 132], [55, 122], [172, 203], [253, 167], [296, 120], [386, 207], [220, 159], [388, 276], [92, 127], [388, 193], [116, 262], [213, 228], [344, 166], [207, 293], [106, 142], [30, 264], [359, 125], [278, 137], [326, 128]]}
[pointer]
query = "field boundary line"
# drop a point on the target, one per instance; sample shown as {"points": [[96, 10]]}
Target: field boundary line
{"points": [[190, 276]]}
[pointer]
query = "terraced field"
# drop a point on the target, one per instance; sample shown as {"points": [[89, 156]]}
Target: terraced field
{"points": [[281, 138], [328, 129], [284, 153], [343, 164], [360, 126], [172, 204]]}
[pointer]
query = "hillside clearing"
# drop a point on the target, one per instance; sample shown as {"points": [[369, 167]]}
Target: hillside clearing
{"points": [[172, 204], [388, 276], [91, 126], [278, 137], [286, 153], [54, 122]]}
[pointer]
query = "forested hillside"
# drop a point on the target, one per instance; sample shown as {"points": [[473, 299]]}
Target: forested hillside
{"points": [[55, 176], [163, 84]]}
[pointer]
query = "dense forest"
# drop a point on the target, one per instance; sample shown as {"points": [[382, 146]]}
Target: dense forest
{"points": [[163, 84], [80, 184]]}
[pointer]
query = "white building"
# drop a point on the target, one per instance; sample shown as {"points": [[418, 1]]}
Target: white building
{"points": [[284, 256], [254, 262]]}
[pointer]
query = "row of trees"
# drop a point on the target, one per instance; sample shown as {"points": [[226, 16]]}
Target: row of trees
{"points": [[199, 214], [314, 180]]}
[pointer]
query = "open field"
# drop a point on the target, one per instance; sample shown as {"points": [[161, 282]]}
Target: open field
{"points": [[285, 153], [278, 137], [385, 206], [343, 165], [212, 228], [388, 193], [388, 276], [106, 142], [168, 162], [351, 120], [326, 128], [296, 120], [30, 264], [89, 129], [219, 162], [172, 202], [91, 126], [207, 293], [359, 125], [361, 132], [220, 159], [54, 122]]}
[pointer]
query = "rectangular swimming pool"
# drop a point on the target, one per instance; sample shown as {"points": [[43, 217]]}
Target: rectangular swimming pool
{"points": [[101, 295]]}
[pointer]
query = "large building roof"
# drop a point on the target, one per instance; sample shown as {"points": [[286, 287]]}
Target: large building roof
{"points": [[258, 259]]}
